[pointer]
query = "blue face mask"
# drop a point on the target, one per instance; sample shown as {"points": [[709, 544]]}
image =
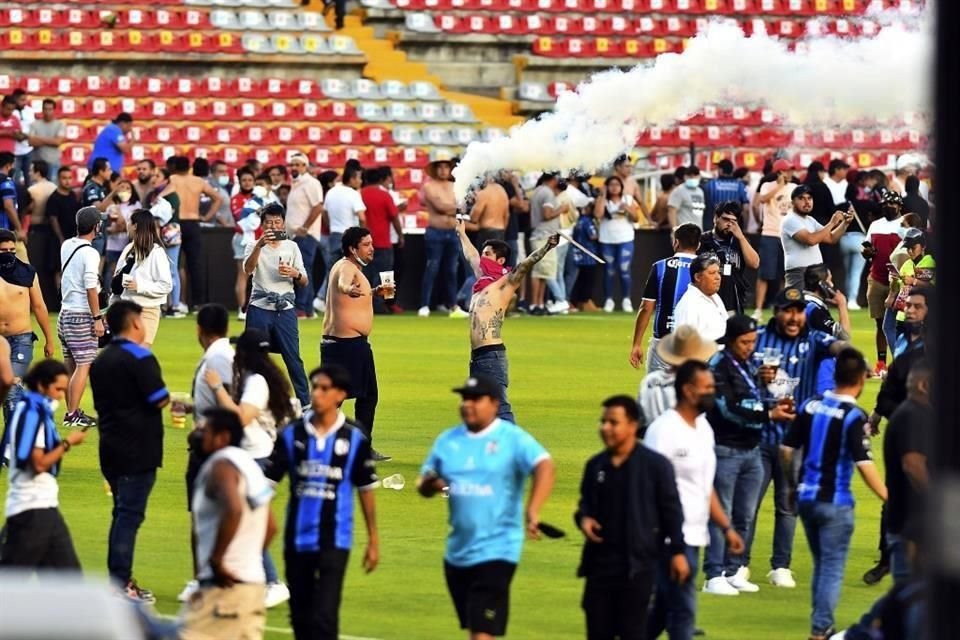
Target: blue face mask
{"points": [[692, 183]]}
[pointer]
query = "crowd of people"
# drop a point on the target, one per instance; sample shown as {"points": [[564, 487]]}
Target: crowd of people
{"points": [[728, 406]]}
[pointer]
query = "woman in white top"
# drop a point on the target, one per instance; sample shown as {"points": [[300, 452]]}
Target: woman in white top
{"points": [[148, 279], [260, 395], [125, 202], [616, 212]]}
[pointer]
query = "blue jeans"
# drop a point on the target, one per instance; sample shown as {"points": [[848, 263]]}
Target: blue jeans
{"points": [[284, 334], [465, 293], [308, 251], [785, 519], [382, 261], [890, 330], [494, 364], [173, 254], [899, 563], [130, 494], [21, 355], [21, 168], [569, 268], [443, 250], [675, 605], [563, 251], [829, 528], [851, 244], [737, 483], [54, 170], [619, 258]]}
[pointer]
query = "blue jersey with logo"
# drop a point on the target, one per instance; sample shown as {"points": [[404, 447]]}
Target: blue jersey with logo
{"points": [[486, 472], [666, 284]]}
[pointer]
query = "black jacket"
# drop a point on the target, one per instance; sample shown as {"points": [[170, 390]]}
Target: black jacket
{"points": [[655, 513], [739, 415], [893, 391]]}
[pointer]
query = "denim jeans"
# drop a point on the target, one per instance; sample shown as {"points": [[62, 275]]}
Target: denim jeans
{"points": [[21, 169], [619, 258], [570, 269], [173, 253], [130, 494], [899, 563], [851, 244], [21, 355], [494, 364], [829, 528], [785, 519], [563, 251], [54, 170], [331, 251], [890, 330], [465, 292], [443, 251], [675, 605], [737, 483], [308, 251], [284, 334]]}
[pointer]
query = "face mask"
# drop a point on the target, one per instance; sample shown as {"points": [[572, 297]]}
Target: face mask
{"points": [[360, 260], [294, 174], [7, 260], [867, 189], [692, 183], [914, 328], [124, 196], [260, 191], [223, 180], [53, 405], [706, 402]]}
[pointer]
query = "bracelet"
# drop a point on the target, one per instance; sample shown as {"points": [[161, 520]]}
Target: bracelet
{"points": [[217, 388], [98, 317], [66, 445], [725, 529]]}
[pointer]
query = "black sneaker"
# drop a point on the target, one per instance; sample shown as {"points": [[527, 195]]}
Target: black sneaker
{"points": [[136, 593], [876, 573], [380, 457], [79, 420]]}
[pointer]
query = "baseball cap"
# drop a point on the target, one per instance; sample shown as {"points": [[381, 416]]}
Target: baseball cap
{"points": [[789, 297], [252, 340], [913, 239], [802, 190], [88, 217], [478, 386], [908, 233], [782, 165], [737, 326]]}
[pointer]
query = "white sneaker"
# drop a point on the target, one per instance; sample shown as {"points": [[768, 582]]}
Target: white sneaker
{"points": [[782, 578], [241, 316], [626, 305], [184, 309], [719, 587], [277, 593], [424, 312], [757, 315], [853, 306], [560, 306], [741, 581], [609, 306], [459, 313], [319, 305], [839, 636], [188, 591]]}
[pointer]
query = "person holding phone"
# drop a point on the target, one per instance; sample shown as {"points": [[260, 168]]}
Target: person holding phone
{"points": [[276, 265]]}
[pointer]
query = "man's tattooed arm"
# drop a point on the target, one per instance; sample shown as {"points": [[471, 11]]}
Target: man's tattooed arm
{"points": [[517, 275]]}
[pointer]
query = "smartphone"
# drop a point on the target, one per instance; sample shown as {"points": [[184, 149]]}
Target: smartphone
{"points": [[828, 292], [279, 235], [892, 268]]}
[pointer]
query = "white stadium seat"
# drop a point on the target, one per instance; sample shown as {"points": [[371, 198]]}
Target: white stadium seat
{"points": [[394, 90], [423, 91], [421, 23]]}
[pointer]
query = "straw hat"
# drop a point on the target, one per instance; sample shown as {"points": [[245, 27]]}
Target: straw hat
{"points": [[431, 168], [685, 344]]}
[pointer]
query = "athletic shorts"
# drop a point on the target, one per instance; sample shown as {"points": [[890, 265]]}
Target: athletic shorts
{"points": [[546, 269], [771, 259], [877, 293], [481, 595], [79, 342]]}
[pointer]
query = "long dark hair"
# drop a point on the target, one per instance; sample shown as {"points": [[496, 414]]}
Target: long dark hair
{"points": [[145, 234], [250, 361]]}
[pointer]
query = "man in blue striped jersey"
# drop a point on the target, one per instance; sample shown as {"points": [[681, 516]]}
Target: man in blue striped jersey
{"points": [[326, 456], [666, 284], [802, 349], [834, 435]]}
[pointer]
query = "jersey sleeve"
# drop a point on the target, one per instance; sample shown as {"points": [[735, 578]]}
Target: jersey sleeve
{"points": [[652, 287], [858, 437], [529, 452], [152, 387], [432, 465], [363, 475], [822, 343]]}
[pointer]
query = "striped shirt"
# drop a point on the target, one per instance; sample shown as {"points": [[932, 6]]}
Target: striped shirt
{"points": [[8, 191], [323, 470], [666, 284], [800, 358], [832, 431], [30, 427]]}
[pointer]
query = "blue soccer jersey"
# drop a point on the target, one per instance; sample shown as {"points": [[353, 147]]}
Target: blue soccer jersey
{"points": [[486, 472]]}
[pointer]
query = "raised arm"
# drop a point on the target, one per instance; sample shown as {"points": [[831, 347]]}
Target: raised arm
{"points": [[517, 275], [469, 251]]}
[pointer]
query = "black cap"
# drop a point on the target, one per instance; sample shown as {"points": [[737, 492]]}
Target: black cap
{"points": [[789, 297], [477, 386], [801, 190], [737, 326], [252, 340]]}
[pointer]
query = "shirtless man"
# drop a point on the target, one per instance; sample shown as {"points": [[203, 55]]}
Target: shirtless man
{"points": [[624, 170], [348, 322], [19, 295], [490, 212], [189, 189], [440, 239], [494, 290]]}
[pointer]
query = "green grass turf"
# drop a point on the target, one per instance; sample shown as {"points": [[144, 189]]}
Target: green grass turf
{"points": [[561, 368]]}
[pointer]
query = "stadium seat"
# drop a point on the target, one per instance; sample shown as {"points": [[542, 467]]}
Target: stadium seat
{"points": [[344, 46], [316, 45], [533, 92], [156, 87], [554, 89], [224, 19], [315, 135], [380, 136], [489, 134], [436, 136], [441, 153], [365, 89], [257, 43], [253, 20], [169, 19], [463, 135], [224, 135], [459, 112], [188, 109], [306, 20], [408, 136], [286, 43], [370, 111], [430, 112], [336, 88], [394, 90], [651, 27], [421, 23], [423, 91]]}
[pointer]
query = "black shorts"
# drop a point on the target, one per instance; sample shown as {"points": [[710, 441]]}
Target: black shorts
{"points": [[356, 356], [481, 595], [193, 468]]}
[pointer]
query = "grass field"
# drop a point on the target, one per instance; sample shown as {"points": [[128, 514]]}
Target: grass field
{"points": [[561, 368]]}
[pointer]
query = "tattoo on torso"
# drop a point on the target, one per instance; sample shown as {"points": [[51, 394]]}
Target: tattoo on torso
{"points": [[485, 320]]}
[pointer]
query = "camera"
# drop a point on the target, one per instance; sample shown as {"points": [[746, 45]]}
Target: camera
{"points": [[279, 235]]}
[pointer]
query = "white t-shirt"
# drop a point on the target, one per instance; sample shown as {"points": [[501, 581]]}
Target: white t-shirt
{"points": [[81, 274], [27, 117], [343, 204], [618, 229], [261, 433], [657, 394], [707, 314], [796, 254], [690, 450], [837, 189], [28, 489]]}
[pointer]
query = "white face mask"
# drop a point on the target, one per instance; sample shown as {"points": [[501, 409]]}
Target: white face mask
{"points": [[124, 196], [223, 180], [260, 191], [53, 404], [360, 260], [692, 183]]}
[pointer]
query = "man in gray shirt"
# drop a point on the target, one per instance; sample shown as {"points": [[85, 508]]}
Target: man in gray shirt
{"points": [[686, 203], [801, 235], [46, 136], [545, 213]]}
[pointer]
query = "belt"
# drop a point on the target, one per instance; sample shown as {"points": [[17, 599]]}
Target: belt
{"points": [[489, 348], [339, 339]]}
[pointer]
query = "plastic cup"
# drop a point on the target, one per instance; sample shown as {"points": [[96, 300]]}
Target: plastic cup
{"points": [[179, 402], [386, 279], [771, 357], [125, 279], [395, 482]]}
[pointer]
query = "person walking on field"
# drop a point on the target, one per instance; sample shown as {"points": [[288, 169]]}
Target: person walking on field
{"points": [[145, 271]]}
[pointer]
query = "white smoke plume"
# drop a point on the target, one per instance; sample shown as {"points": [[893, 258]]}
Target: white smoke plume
{"points": [[826, 81]]}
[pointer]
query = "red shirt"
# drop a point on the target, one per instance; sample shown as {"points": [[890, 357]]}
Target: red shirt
{"points": [[381, 211], [9, 124]]}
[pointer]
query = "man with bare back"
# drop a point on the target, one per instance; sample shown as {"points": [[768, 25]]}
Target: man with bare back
{"points": [[494, 290], [189, 188], [348, 322], [490, 212]]}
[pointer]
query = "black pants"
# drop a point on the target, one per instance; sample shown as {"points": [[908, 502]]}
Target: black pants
{"points": [[616, 607], [356, 356], [583, 285], [316, 583], [192, 248], [38, 539]]}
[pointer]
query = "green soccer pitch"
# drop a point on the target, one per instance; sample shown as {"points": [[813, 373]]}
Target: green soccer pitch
{"points": [[561, 368]]}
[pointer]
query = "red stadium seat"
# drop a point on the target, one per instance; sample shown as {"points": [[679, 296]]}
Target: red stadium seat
{"points": [[661, 6], [651, 27], [17, 17], [246, 87], [75, 154], [772, 7], [137, 19], [157, 87], [196, 134], [564, 25], [255, 135], [188, 109], [100, 109], [787, 29], [169, 19], [749, 159], [509, 24], [537, 25], [248, 110], [227, 42], [224, 135], [605, 48], [635, 48], [215, 87], [694, 7], [278, 88], [51, 17], [743, 7], [679, 27], [121, 85], [316, 135]]}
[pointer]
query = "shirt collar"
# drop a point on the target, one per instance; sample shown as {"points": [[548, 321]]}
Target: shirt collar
{"points": [[312, 430], [220, 345], [490, 428], [843, 397], [684, 254]]}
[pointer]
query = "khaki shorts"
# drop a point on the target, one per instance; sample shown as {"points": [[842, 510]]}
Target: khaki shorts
{"points": [[237, 613], [876, 298], [546, 269], [151, 322]]}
